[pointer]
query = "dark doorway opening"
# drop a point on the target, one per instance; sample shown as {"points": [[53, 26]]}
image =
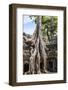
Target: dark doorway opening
{"points": [[26, 67], [51, 66]]}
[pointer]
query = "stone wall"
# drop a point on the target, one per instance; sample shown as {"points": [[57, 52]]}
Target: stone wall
{"points": [[51, 54]]}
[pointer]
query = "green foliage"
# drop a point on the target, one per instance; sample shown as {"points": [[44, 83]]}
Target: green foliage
{"points": [[49, 25]]}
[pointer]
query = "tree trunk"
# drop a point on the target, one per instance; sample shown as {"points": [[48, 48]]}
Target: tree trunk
{"points": [[38, 51]]}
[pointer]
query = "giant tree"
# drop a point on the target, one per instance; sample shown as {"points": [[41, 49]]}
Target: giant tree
{"points": [[38, 52]]}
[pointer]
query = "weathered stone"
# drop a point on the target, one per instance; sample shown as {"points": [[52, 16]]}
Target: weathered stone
{"points": [[51, 53]]}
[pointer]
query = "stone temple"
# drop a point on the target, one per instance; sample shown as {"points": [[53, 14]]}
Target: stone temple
{"points": [[51, 54]]}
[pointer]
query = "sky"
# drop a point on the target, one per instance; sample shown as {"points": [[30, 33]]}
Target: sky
{"points": [[29, 25]]}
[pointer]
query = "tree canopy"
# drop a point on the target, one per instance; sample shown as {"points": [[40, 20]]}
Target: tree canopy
{"points": [[49, 25]]}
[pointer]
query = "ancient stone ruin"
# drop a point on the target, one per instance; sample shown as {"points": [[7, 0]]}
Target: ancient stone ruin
{"points": [[51, 55], [39, 54]]}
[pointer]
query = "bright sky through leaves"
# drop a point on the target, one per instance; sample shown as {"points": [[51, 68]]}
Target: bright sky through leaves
{"points": [[29, 25]]}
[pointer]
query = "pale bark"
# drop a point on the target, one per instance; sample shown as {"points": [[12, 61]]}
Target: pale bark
{"points": [[38, 51]]}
